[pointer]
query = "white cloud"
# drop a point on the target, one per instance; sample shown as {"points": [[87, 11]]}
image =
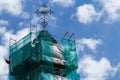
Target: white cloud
{"points": [[90, 43], [6, 34], [21, 24], [3, 51], [12, 6], [25, 15], [35, 19], [4, 77], [3, 70], [3, 67], [3, 22], [52, 21], [96, 70], [2, 30], [110, 11], [64, 3], [87, 13]]}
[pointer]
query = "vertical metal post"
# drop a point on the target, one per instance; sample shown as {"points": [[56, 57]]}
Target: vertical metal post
{"points": [[31, 25]]}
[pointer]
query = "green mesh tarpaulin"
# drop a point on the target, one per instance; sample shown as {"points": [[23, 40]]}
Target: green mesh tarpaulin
{"points": [[40, 74], [32, 58], [73, 60], [70, 56], [23, 51], [73, 76], [46, 51], [25, 40], [20, 52]]}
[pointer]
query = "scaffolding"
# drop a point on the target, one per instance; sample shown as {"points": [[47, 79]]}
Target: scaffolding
{"points": [[39, 56]]}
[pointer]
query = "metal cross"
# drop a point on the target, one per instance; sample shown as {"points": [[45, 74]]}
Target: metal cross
{"points": [[44, 11]]}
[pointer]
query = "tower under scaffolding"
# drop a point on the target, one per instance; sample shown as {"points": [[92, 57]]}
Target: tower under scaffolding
{"points": [[43, 56]]}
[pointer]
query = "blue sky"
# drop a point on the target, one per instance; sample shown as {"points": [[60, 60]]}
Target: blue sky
{"points": [[95, 23]]}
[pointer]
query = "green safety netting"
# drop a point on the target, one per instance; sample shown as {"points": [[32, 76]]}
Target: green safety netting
{"points": [[21, 43], [73, 76], [32, 58], [29, 52], [46, 51], [19, 53], [70, 56], [73, 60], [40, 74]]}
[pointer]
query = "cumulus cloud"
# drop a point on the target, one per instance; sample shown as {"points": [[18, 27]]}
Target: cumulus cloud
{"points": [[90, 43], [2, 29], [25, 15], [6, 34], [35, 19], [3, 70], [110, 11], [64, 3], [52, 21], [87, 13], [11, 6], [3, 51], [3, 22], [96, 69]]}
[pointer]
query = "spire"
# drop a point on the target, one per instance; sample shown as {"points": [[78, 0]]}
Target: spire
{"points": [[44, 11]]}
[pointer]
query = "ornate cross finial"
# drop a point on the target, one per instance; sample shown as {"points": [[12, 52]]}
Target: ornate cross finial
{"points": [[44, 11]]}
